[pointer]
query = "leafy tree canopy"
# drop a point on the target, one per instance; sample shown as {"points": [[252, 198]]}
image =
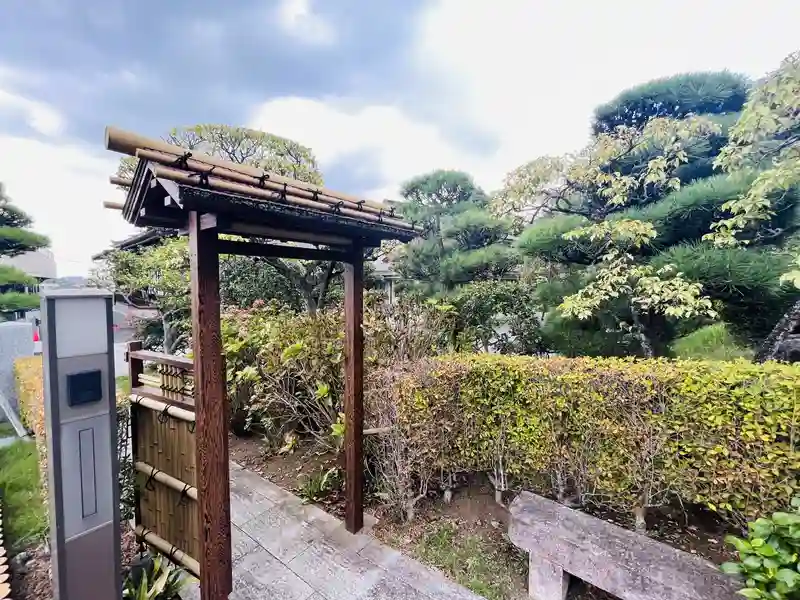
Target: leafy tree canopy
{"points": [[766, 136]]}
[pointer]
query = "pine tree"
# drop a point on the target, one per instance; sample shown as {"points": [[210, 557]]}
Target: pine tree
{"points": [[742, 282], [16, 239], [464, 241]]}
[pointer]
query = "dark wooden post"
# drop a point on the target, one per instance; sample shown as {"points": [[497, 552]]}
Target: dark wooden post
{"points": [[212, 415], [354, 391], [135, 369], [135, 366]]}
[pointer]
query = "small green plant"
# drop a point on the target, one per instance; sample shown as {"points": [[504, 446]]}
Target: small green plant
{"points": [[337, 432], [153, 577], [768, 558], [318, 485]]}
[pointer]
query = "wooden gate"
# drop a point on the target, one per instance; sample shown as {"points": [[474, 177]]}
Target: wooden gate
{"points": [[163, 449]]}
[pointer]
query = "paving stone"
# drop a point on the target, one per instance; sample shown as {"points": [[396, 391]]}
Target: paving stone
{"points": [[277, 494], [283, 549], [246, 503], [338, 575], [264, 487], [424, 579], [241, 544], [259, 575], [313, 515], [341, 538], [280, 533], [392, 588]]}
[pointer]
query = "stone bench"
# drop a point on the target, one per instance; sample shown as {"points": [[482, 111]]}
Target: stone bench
{"points": [[563, 542]]}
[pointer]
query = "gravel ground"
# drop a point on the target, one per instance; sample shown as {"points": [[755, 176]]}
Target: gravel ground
{"points": [[31, 569]]}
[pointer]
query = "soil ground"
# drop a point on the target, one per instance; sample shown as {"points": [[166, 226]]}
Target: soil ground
{"points": [[31, 580], [467, 538]]}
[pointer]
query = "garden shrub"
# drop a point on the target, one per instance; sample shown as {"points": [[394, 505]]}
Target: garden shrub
{"points": [[620, 433], [29, 377], [284, 369]]}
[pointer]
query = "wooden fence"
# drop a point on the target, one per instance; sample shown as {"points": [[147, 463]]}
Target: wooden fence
{"points": [[163, 445]]}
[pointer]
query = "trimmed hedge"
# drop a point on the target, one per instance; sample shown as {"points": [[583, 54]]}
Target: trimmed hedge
{"points": [[620, 433], [29, 376]]}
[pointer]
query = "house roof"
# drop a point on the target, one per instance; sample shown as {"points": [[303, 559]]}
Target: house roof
{"points": [[140, 239], [169, 181]]}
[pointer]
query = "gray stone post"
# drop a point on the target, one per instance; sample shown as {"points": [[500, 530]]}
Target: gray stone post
{"points": [[81, 421]]}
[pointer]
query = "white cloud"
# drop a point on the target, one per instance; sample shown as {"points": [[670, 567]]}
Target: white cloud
{"points": [[297, 17], [529, 74], [400, 146], [39, 116], [61, 185]]}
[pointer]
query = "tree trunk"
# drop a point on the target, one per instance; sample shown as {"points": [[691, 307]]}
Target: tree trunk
{"points": [[788, 323], [326, 281], [172, 337], [311, 303], [644, 340]]}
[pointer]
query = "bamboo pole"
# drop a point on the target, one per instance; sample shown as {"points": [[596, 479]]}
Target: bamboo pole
{"points": [[216, 183], [168, 549], [167, 480], [173, 411], [127, 142], [117, 180], [197, 166]]}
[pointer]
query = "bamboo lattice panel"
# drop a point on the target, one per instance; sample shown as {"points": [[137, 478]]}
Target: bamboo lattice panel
{"points": [[169, 515], [167, 444]]}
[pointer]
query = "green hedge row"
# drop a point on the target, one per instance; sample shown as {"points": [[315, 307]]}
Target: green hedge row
{"points": [[621, 433]]}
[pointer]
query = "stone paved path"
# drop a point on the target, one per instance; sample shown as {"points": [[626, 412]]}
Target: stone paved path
{"points": [[286, 550]]}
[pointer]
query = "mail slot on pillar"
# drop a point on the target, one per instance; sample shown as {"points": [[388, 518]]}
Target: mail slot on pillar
{"points": [[80, 411]]}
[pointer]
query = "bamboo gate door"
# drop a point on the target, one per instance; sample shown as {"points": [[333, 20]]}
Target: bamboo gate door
{"points": [[163, 424]]}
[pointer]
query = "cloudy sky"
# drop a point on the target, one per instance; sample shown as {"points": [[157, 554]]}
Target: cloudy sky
{"points": [[380, 89]]}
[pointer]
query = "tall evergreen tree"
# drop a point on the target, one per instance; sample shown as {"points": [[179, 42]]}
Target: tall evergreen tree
{"points": [[464, 241], [16, 238], [742, 282]]}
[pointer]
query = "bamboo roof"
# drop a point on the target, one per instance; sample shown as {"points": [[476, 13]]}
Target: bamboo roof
{"points": [[169, 181]]}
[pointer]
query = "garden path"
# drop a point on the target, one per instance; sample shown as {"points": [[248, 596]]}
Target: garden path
{"points": [[286, 550]]}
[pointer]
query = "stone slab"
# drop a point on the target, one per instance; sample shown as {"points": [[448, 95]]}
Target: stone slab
{"points": [[260, 575], [246, 502], [624, 563], [280, 533], [295, 551], [338, 575], [241, 544]]}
